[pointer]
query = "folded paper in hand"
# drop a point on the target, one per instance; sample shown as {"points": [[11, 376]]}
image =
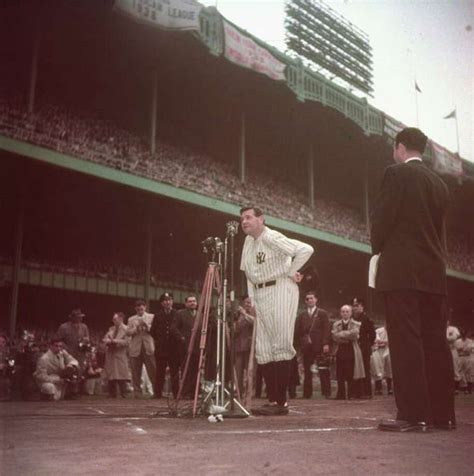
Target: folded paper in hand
{"points": [[373, 267]]}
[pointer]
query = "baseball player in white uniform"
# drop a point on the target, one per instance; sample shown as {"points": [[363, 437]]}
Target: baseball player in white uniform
{"points": [[271, 262]]}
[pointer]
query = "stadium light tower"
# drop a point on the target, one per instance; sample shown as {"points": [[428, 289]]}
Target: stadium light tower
{"points": [[331, 43]]}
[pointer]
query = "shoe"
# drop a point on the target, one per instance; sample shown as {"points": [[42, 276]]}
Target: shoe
{"points": [[271, 410], [269, 404], [445, 425], [45, 397], [402, 426], [72, 396]]}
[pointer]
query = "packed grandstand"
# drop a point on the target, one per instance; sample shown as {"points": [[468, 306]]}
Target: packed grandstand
{"points": [[104, 142], [90, 99]]}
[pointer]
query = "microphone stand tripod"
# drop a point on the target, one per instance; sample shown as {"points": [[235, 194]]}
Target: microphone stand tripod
{"points": [[218, 398]]}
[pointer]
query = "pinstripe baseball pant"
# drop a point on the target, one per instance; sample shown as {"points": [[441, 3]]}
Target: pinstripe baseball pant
{"points": [[276, 308]]}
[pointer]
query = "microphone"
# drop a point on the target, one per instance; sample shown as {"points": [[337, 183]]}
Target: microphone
{"points": [[232, 228]]}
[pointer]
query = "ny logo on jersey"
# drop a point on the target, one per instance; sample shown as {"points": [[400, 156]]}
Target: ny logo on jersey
{"points": [[260, 257]]}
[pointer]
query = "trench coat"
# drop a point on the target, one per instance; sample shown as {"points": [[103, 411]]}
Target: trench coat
{"points": [[116, 358], [351, 335]]}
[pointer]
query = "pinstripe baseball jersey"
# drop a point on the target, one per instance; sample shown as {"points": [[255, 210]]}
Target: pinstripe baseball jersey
{"points": [[274, 257]]}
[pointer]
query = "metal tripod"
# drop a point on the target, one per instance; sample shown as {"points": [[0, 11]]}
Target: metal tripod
{"points": [[217, 398]]}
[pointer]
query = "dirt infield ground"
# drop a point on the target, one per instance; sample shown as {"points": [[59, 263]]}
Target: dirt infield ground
{"points": [[96, 435]]}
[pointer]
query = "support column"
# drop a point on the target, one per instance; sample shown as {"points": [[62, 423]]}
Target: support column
{"points": [[148, 255], [242, 157], [311, 176], [154, 106], [365, 193], [17, 266], [34, 65]]}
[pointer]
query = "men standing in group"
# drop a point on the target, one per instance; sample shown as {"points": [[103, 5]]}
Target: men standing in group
{"points": [[166, 346], [141, 348], [366, 341], [271, 262], [183, 329], [408, 231], [313, 336]]}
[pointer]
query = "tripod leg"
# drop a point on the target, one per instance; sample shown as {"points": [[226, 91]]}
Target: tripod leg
{"points": [[251, 367], [234, 379], [207, 293], [236, 402], [199, 317]]}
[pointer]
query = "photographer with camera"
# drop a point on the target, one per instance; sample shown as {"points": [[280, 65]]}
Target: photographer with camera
{"points": [[75, 336], [243, 331], [6, 368], [142, 346], [57, 373], [117, 370], [22, 365]]}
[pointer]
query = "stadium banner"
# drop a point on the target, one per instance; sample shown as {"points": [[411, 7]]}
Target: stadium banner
{"points": [[242, 50], [445, 162], [166, 14]]}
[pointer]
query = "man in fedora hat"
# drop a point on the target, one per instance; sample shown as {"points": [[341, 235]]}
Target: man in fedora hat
{"points": [[75, 335]]}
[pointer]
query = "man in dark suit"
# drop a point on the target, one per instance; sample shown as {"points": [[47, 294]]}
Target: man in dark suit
{"points": [[183, 329], [408, 230], [313, 336]]}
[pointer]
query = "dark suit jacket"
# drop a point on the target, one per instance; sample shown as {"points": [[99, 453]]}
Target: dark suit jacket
{"points": [[183, 329], [366, 333], [162, 333], [408, 229], [320, 332]]}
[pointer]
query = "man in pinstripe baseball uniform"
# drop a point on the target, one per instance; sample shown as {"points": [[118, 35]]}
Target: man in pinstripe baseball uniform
{"points": [[271, 262]]}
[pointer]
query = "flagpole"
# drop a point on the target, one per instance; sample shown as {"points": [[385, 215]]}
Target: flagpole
{"points": [[410, 55], [416, 104], [457, 129]]}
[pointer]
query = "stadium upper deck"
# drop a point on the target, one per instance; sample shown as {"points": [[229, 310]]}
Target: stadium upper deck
{"points": [[93, 91]]}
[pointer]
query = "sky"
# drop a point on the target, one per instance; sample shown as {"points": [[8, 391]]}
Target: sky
{"points": [[431, 41]]}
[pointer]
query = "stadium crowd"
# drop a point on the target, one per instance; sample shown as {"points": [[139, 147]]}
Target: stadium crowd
{"points": [[145, 355], [97, 140]]}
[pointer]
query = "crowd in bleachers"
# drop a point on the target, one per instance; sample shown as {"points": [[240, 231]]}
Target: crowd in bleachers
{"points": [[97, 140]]}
